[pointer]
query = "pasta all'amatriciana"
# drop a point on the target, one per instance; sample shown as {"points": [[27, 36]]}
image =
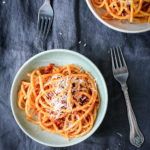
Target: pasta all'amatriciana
{"points": [[135, 11], [60, 99]]}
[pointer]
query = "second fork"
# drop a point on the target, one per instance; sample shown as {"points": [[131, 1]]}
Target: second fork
{"points": [[120, 72]]}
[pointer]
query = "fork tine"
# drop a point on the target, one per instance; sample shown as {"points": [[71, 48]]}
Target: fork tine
{"points": [[123, 60], [115, 57], [120, 63], [38, 24], [41, 25], [45, 27], [112, 59], [48, 27]]}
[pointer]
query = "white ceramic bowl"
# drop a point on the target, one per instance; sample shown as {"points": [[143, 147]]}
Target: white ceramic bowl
{"points": [[117, 25], [60, 57]]}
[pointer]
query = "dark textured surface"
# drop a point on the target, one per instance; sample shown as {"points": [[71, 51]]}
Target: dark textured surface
{"points": [[73, 22]]}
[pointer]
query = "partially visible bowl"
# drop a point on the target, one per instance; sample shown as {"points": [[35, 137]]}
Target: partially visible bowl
{"points": [[117, 25], [60, 57]]}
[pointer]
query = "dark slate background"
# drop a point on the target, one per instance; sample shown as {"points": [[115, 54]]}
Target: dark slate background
{"points": [[73, 22]]}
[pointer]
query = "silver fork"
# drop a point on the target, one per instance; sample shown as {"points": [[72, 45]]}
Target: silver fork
{"points": [[120, 72], [45, 18]]}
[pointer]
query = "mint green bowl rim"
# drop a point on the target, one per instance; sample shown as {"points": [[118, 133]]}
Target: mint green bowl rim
{"points": [[70, 52]]}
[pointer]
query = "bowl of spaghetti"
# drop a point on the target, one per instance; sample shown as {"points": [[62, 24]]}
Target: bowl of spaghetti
{"points": [[129, 16], [59, 98]]}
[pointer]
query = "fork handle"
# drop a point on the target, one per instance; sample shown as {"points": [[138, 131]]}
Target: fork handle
{"points": [[136, 137]]}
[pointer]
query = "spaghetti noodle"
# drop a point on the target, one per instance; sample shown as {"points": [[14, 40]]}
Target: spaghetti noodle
{"points": [[137, 11], [60, 99]]}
